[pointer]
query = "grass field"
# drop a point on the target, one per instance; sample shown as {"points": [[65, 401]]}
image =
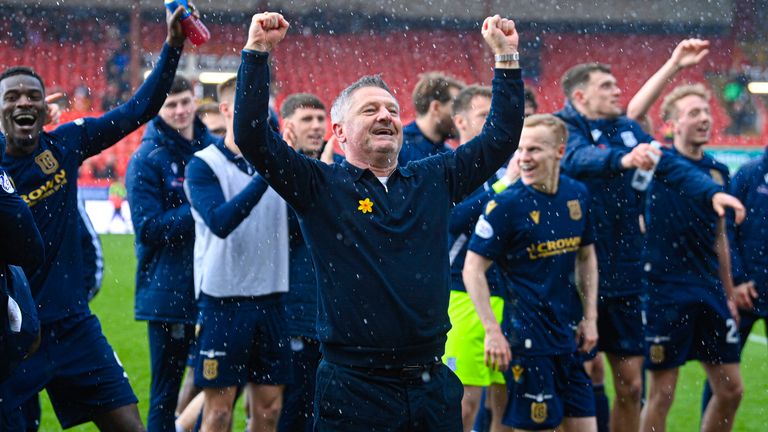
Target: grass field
{"points": [[114, 306]]}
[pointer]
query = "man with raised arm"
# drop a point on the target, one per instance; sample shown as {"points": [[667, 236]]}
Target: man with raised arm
{"points": [[690, 312], [378, 233], [604, 149], [75, 363]]}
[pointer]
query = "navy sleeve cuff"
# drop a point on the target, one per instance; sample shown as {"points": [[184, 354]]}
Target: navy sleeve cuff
{"points": [[254, 57], [508, 73]]}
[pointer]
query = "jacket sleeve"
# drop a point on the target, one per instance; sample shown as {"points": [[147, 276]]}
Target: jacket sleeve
{"points": [[583, 159], [680, 175], [153, 223], [18, 228], [292, 175], [738, 187], [465, 214], [206, 197], [103, 132], [476, 161]]}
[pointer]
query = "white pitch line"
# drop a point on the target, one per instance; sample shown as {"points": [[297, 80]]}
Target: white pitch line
{"points": [[759, 339]]}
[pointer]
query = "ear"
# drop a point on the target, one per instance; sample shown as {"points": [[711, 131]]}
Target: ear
{"points": [[338, 131], [459, 121], [578, 96], [560, 151], [224, 108], [671, 125], [434, 107], [287, 124]]}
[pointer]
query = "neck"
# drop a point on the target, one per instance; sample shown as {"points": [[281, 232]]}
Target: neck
{"points": [[689, 150], [188, 133], [427, 127], [16, 150], [589, 115], [380, 168], [229, 142], [549, 185]]}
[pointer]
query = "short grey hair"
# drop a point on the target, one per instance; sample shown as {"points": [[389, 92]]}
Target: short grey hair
{"points": [[341, 104]]}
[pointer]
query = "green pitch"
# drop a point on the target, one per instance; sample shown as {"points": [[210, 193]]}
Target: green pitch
{"points": [[114, 307]]}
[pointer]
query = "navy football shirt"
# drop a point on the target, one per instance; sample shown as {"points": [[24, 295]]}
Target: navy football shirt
{"points": [[533, 237], [681, 233]]}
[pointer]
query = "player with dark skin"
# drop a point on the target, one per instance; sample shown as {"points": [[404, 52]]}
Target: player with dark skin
{"points": [[23, 113]]}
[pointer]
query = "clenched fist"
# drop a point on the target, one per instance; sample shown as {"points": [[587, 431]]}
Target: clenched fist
{"points": [[267, 30]]}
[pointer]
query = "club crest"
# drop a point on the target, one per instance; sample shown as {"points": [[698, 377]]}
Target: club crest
{"points": [[657, 353], [574, 209], [47, 162], [539, 412], [210, 369]]}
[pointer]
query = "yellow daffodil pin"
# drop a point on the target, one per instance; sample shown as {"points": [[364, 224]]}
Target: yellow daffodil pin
{"points": [[366, 206]]}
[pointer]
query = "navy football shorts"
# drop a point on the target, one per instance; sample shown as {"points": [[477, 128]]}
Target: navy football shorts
{"points": [[242, 340], [78, 368], [695, 324], [620, 325], [542, 390]]}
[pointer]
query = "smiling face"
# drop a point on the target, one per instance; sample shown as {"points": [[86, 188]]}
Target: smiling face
{"points": [[371, 131], [539, 156], [693, 123], [599, 98], [308, 125], [23, 112]]}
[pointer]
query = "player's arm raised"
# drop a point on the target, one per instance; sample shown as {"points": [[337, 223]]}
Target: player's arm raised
{"points": [[586, 283], [497, 351], [105, 131], [290, 174], [477, 160], [687, 53]]}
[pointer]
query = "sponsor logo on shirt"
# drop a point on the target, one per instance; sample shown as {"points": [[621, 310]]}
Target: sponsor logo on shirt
{"points": [[517, 372], [47, 189], [553, 247], [490, 206], [535, 216]]}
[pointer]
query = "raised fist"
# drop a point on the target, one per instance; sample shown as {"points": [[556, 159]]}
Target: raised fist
{"points": [[500, 34], [267, 30]]}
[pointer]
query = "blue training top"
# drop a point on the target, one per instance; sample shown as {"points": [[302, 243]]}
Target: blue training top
{"points": [[162, 220], [381, 253], [417, 146], [750, 243], [462, 223], [47, 181], [22, 246], [593, 156], [681, 233], [534, 237]]}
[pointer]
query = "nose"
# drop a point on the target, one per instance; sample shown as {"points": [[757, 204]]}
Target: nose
{"points": [[24, 100], [384, 115]]}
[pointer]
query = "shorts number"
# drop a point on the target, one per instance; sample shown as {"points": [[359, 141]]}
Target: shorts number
{"points": [[733, 332]]}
